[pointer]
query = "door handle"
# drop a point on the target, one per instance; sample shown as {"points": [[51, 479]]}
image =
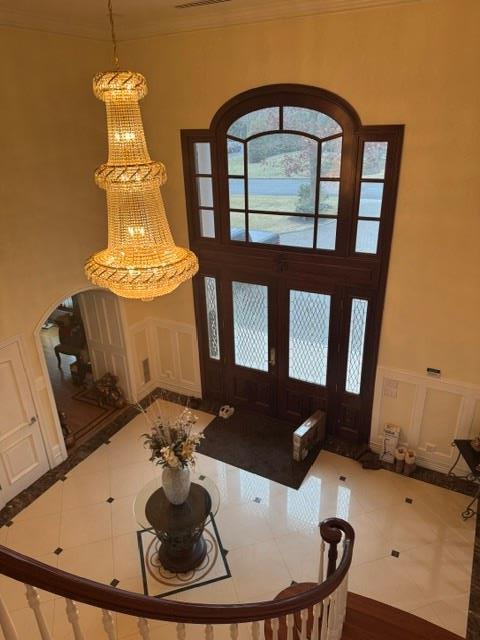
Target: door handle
{"points": [[273, 357], [33, 419]]}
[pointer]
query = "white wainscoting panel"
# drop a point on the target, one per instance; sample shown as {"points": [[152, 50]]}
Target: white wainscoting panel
{"points": [[172, 352], [430, 412]]}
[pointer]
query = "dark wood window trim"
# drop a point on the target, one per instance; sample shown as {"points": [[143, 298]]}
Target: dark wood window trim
{"points": [[350, 273]]}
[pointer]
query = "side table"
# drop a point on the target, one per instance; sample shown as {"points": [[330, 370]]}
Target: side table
{"points": [[472, 458]]}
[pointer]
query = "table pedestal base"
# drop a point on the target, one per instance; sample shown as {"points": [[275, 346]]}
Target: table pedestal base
{"points": [[182, 558]]}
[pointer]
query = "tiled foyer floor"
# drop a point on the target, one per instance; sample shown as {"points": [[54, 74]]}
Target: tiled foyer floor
{"points": [[270, 532]]}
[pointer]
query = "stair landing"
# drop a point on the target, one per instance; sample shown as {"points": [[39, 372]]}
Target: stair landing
{"points": [[368, 619]]}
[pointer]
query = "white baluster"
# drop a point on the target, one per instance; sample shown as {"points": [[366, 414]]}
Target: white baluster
{"points": [[325, 608], [34, 603], [332, 606], [275, 626], [208, 632], [303, 618], [108, 624], [73, 617], [6, 622], [255, 630], [290, 623], [181, 631], [321, 563], [316, 615], [144, 628], [234, 631]]}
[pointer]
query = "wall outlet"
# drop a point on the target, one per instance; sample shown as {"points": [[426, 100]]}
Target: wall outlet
{"points": [[436, 373], [430, 446]]}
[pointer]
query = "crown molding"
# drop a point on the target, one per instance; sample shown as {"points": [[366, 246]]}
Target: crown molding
{"points": [[164, 20]]}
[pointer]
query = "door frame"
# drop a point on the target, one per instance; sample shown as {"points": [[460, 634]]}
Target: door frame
{"points": [[19, 340], [57, 453]]}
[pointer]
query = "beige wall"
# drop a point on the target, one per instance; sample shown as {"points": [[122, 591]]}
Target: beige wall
{"points": [[416, 65], [52, 214]]}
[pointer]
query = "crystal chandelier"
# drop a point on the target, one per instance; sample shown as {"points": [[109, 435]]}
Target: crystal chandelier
{"points": [[141, 260]]}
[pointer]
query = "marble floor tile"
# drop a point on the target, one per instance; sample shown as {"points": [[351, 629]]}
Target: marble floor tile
{"points": [[270, 532], [85, 489], [49, 503], [86, 524], [264, 560], [36, 536], [93, 560]]}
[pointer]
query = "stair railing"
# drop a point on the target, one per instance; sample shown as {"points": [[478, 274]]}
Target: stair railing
{"points": [[315, 614]]}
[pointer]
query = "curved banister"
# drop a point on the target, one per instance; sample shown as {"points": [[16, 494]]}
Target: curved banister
{"points": [[30, 571]]}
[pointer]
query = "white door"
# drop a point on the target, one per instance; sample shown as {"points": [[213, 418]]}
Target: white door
{"points": [[105, 338], [22, 453]]}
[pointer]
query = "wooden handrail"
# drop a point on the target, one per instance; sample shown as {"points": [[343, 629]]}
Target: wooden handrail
{"points": [[43, 576]]}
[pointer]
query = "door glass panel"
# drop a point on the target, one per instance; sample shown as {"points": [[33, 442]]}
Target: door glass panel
{"points": [[236, 189], [237, 225], [326, 233], [310, 121], [203, 163], [212, 317], [282, 169], [374, 159], [367, 236], [371, 194], [329, 192], [308, 336], [204, 191], [331, 158], [250, 325], [255, 122], [356, 343], [235, 158], [207, 223], [291, 231]]}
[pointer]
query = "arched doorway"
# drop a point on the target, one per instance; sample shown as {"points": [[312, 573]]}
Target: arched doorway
{"points": [[291, 204], [79, 339]]}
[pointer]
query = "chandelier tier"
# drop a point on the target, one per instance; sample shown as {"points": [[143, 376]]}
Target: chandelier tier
{"points": [[142, 260]]}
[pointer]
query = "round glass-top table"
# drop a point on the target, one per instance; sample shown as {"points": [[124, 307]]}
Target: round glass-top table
{"points": [[179, 528]]}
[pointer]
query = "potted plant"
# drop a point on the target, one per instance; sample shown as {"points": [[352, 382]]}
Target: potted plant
{"points": [[172, 444]]}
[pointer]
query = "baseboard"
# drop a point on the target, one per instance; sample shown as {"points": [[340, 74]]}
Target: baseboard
{"points": [[57, 455], [145, 389], [167, 384]]}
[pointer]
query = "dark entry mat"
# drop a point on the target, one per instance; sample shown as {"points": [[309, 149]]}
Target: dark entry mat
{"points": [[257, 443]]}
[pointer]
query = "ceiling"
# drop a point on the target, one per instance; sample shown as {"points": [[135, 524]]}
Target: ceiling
{"points": [[143, 18]]}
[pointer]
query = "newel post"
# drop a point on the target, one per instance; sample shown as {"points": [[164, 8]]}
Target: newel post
{"points": [[332, 536]]}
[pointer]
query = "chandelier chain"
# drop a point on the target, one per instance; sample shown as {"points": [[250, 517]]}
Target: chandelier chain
{"points": [[114, 37]]}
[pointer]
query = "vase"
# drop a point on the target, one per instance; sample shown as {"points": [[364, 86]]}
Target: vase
{"points": [[176, 484]]}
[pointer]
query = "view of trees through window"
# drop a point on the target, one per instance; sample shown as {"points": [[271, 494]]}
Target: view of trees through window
{"points": [[284, 168], [284, 180]]}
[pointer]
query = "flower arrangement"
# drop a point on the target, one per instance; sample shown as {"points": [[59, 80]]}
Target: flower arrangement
{"points": [[171, 440]]}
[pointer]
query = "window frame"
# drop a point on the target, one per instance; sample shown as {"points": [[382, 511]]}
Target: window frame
{"points": [[362, 275]]}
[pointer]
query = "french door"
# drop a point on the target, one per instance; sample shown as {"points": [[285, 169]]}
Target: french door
{"points": [[284, 348], [291, 203]]}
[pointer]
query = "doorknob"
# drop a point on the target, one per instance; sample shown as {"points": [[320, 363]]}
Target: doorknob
{"points": [[273, 357], [33, 419]]}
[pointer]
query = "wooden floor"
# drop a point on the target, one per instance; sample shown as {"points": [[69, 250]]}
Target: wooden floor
{"points": [[371, 620]]}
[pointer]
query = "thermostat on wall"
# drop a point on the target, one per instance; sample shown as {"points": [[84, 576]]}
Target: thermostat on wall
{"points": [[436, 373]]}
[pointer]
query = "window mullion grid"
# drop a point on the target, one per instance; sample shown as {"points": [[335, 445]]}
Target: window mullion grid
{"points": [[317, 193], [245, 188]]}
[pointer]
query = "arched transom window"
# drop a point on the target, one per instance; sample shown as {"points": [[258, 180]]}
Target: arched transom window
{"points": [[284, 177]]}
